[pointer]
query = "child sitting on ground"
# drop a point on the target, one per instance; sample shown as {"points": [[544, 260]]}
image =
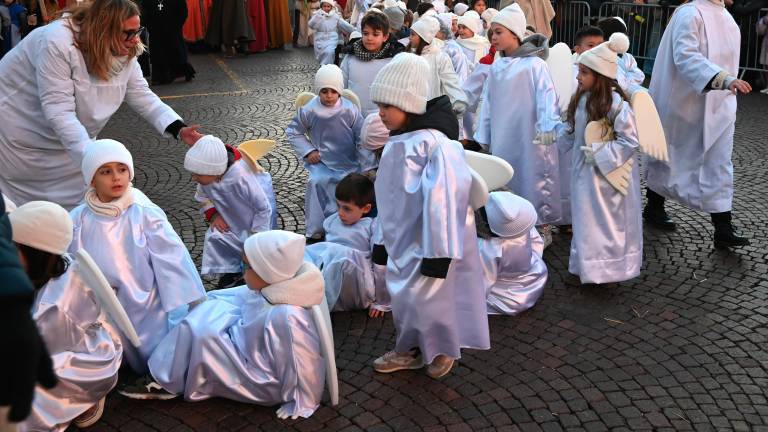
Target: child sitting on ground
{"points": [[345, 255], [325, 133], [515, 272], [132, 242], [84, 348], [234, 202], [255, 343], [327, 22]]}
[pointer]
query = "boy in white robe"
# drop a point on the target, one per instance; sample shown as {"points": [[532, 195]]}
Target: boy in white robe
{"points": [[234, 202], [523, 136], [325, 134], [134, 245], [85, 350], [433, 276], [255, 343], [694, 86], [327, 23], [514, 270]]}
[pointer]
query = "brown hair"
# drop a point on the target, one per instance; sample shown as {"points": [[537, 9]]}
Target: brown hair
{"points": [[599, 101], [419, 48], [99, 34]]}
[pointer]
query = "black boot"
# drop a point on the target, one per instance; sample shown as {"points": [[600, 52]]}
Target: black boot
{"points": [[725, 235], [655, 214]]}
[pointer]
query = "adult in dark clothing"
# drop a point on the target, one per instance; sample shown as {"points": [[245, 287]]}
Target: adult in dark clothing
{"points": [[25, 360], [164, 20]]}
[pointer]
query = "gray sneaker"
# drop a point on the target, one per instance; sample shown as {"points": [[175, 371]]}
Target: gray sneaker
{"points": [[394, 361], [440, 366], [145, 388]]}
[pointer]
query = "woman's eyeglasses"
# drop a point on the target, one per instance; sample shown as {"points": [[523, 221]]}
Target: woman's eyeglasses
{"points": [[130, 34]]}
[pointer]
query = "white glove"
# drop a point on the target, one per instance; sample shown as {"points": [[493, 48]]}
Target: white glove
{"points": [[282, 414], [459, 108], [589, 155], [545, 138]]}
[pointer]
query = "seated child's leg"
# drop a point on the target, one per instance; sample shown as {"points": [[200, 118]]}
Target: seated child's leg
{"points": [[222, 252], [313, 212]]}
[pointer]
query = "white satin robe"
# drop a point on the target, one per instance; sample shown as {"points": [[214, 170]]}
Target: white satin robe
{"points": [[358, 77], [628, 75], [443, 79], [701, 40], [85, 349], [422, 188], [335, 133], [607, 243], [52, 108], [327, 27], [345, 261], [146, 262], [519, 99], [514, 272], [238, 346], [473, 88], [246, 207]]}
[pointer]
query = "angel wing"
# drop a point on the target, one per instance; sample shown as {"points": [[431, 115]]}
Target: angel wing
{"points": [[601, 131], [349, 94], [650, 133]]}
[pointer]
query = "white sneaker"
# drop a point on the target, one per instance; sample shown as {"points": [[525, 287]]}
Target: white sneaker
{"points": [[394, 361], [91, 416]]}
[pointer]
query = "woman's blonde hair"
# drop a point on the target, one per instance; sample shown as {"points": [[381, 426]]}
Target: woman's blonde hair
{"points": [[99, 33]]}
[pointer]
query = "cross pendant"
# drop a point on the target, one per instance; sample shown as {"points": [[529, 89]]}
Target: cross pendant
{"points": [[160, 6]]}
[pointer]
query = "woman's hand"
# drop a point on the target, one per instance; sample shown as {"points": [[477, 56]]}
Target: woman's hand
{"points": [[190, 135], [739, 86]]}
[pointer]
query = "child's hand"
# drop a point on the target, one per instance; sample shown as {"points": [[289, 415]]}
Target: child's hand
{"points": [[219, 224], [375, 313], [313, 157]]}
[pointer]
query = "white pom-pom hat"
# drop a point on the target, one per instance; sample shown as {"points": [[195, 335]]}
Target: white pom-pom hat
{"points": [[603, 58]]}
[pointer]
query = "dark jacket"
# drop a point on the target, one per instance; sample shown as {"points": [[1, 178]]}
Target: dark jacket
{"points": [[14, 280], [439, 115]]}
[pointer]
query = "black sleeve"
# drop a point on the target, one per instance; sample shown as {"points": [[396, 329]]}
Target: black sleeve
{"points": [[175, 127], [435, 267], [379, 255]]}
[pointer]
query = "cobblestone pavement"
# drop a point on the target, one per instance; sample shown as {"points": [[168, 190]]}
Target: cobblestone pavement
{"points": [[683, 347]]}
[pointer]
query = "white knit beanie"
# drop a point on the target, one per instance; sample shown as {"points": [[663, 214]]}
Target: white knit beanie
{"points": [[603, 58], [330, 2], [374, 135], [513, 18], [207, 157], [426, 27], [275, 255], [42, 225], [403, 83], [488, 15], [103, 151], [460, 8], [509, 215], [329, 76], [472, 21]]}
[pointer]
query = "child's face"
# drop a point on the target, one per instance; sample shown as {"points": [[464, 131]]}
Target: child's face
{"points": [[587, 43], [111, 181], [455, 25], [252, 279], [350, 213], [373, 39], [204, 179], [393, 117], [414, 39], [465, 32], [503, 39], [480, 7], [586, 78], [326, 7], [329, 97]]}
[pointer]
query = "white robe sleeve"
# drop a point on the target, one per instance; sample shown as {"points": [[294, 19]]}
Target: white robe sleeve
{"points": [[314, 22], [345, 70], [260, 206], [483, 126], [178, 282], [56, 90], [449, 81], [365, 158], [345, 26], [693, 66], [474, 84], [297, 134], [547, 109], [613, 154], [205, 202], [145, 102]]}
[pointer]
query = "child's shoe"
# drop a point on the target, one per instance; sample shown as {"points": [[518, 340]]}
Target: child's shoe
{"points": [[440, 366], [91, 416], [394, 361], [145, 388]]}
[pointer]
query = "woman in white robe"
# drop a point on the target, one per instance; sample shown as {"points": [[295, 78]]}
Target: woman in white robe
{"points": [[53, 105]]}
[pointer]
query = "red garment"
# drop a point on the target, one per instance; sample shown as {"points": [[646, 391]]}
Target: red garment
{"points": [[257, 16], [342, 4], [198, 14], [488, 59]]}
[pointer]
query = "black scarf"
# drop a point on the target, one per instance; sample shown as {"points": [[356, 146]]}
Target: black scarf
{"points": [[390, 49]]}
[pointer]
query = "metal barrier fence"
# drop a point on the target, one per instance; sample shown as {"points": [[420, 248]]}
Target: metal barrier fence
{"points": [[569, 18]]}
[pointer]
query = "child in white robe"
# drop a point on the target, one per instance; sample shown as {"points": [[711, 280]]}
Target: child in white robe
{"points": [[134, 245], [345, 255], [327, 23], [515, 272], [474, 44], [326, 133], [255, 343], [234, 202], [85, 351], [434, 274], [523, 136], [607, 244]]}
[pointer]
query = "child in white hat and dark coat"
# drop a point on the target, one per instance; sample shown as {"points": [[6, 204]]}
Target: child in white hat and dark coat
{"points": [[513, 264], [237, 200], [256, 343], [325, 134], [434, 273], [134, 245]]}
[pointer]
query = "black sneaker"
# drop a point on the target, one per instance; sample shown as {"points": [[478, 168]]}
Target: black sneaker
{"points": [[145, 388]]}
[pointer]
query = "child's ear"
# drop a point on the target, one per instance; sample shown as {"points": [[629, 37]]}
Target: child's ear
{"points": [[367, 208]]}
